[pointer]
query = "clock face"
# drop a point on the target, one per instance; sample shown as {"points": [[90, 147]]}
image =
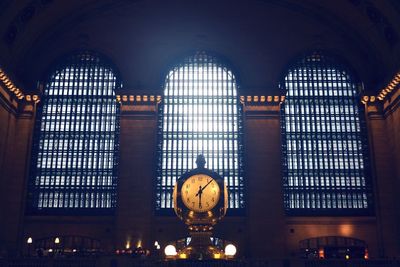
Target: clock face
{"points": [[200, 193]]}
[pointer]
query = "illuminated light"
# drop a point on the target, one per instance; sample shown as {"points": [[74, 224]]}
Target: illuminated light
{"points": [[28, 98], [138, 98], [366, 254], [29, 240], [170, 250], [139, 244], [158, 99], [118, 98], [74, 250], [346, 229], [117, 251], [230, 250], [156, 243], [145, 98], [242, 99], [182, 256], [128, 245], [21, 97], [35, 97], [50, 250], [276, 98], [248, 98], [269, 98], [372, 98], [124, 98], [131, 98], [263, 98], [57, 240], [152, 98], [217, 255], [282, 98], [365, 98], [255, 98], [158, 247], [347, 257], [321, 253]]}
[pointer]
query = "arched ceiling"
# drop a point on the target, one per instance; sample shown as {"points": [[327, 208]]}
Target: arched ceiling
{"points": [[143, 38]]}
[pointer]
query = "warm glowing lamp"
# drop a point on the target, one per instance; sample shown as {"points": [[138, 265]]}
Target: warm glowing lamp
{"points": [[170, 250], [57, 240], [230, 250], [29, 240]]}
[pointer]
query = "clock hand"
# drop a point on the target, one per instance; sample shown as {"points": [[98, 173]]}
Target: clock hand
{"points": [[199, 194], [207, 184], [200, 191]]}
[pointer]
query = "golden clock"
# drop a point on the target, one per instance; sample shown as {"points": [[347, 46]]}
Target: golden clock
{"points": [[200, 193], [200, 200]]}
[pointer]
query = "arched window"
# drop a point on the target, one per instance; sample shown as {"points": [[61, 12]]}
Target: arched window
{"points": [[200, 114], [74, 157], [325, 164]]}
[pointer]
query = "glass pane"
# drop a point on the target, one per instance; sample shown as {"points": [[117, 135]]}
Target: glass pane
{"points": [[201, 114], [325, 167], [75, 147]]}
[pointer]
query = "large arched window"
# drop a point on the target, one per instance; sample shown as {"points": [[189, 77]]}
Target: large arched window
{"points": [[74, 157], [200, 114], [325, 164]]}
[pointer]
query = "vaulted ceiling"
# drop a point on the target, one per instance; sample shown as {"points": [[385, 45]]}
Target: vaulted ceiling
{"points": [[143, 38]]}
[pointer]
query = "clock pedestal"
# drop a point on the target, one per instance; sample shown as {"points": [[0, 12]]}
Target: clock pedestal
{"points": [[201, 247], [200, 200]]}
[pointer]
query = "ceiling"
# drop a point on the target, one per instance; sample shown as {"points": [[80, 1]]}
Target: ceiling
{"points": [[143, 38]]}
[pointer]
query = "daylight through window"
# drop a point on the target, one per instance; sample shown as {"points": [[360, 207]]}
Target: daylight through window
{"points": [[200, 114], [324, 144]]}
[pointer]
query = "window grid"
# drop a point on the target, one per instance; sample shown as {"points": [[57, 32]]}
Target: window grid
{"points": [[74, 164], [325, 164], [200, 114]]}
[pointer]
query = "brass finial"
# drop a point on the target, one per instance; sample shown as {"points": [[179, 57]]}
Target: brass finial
{"points": [[200, 161]]}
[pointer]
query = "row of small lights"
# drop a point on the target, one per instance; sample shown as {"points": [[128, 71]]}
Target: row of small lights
{"points": [[390, 87], [152, 98], [10, 85], [384, 92], [262, 99], [138, 98], [15, 90]]}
